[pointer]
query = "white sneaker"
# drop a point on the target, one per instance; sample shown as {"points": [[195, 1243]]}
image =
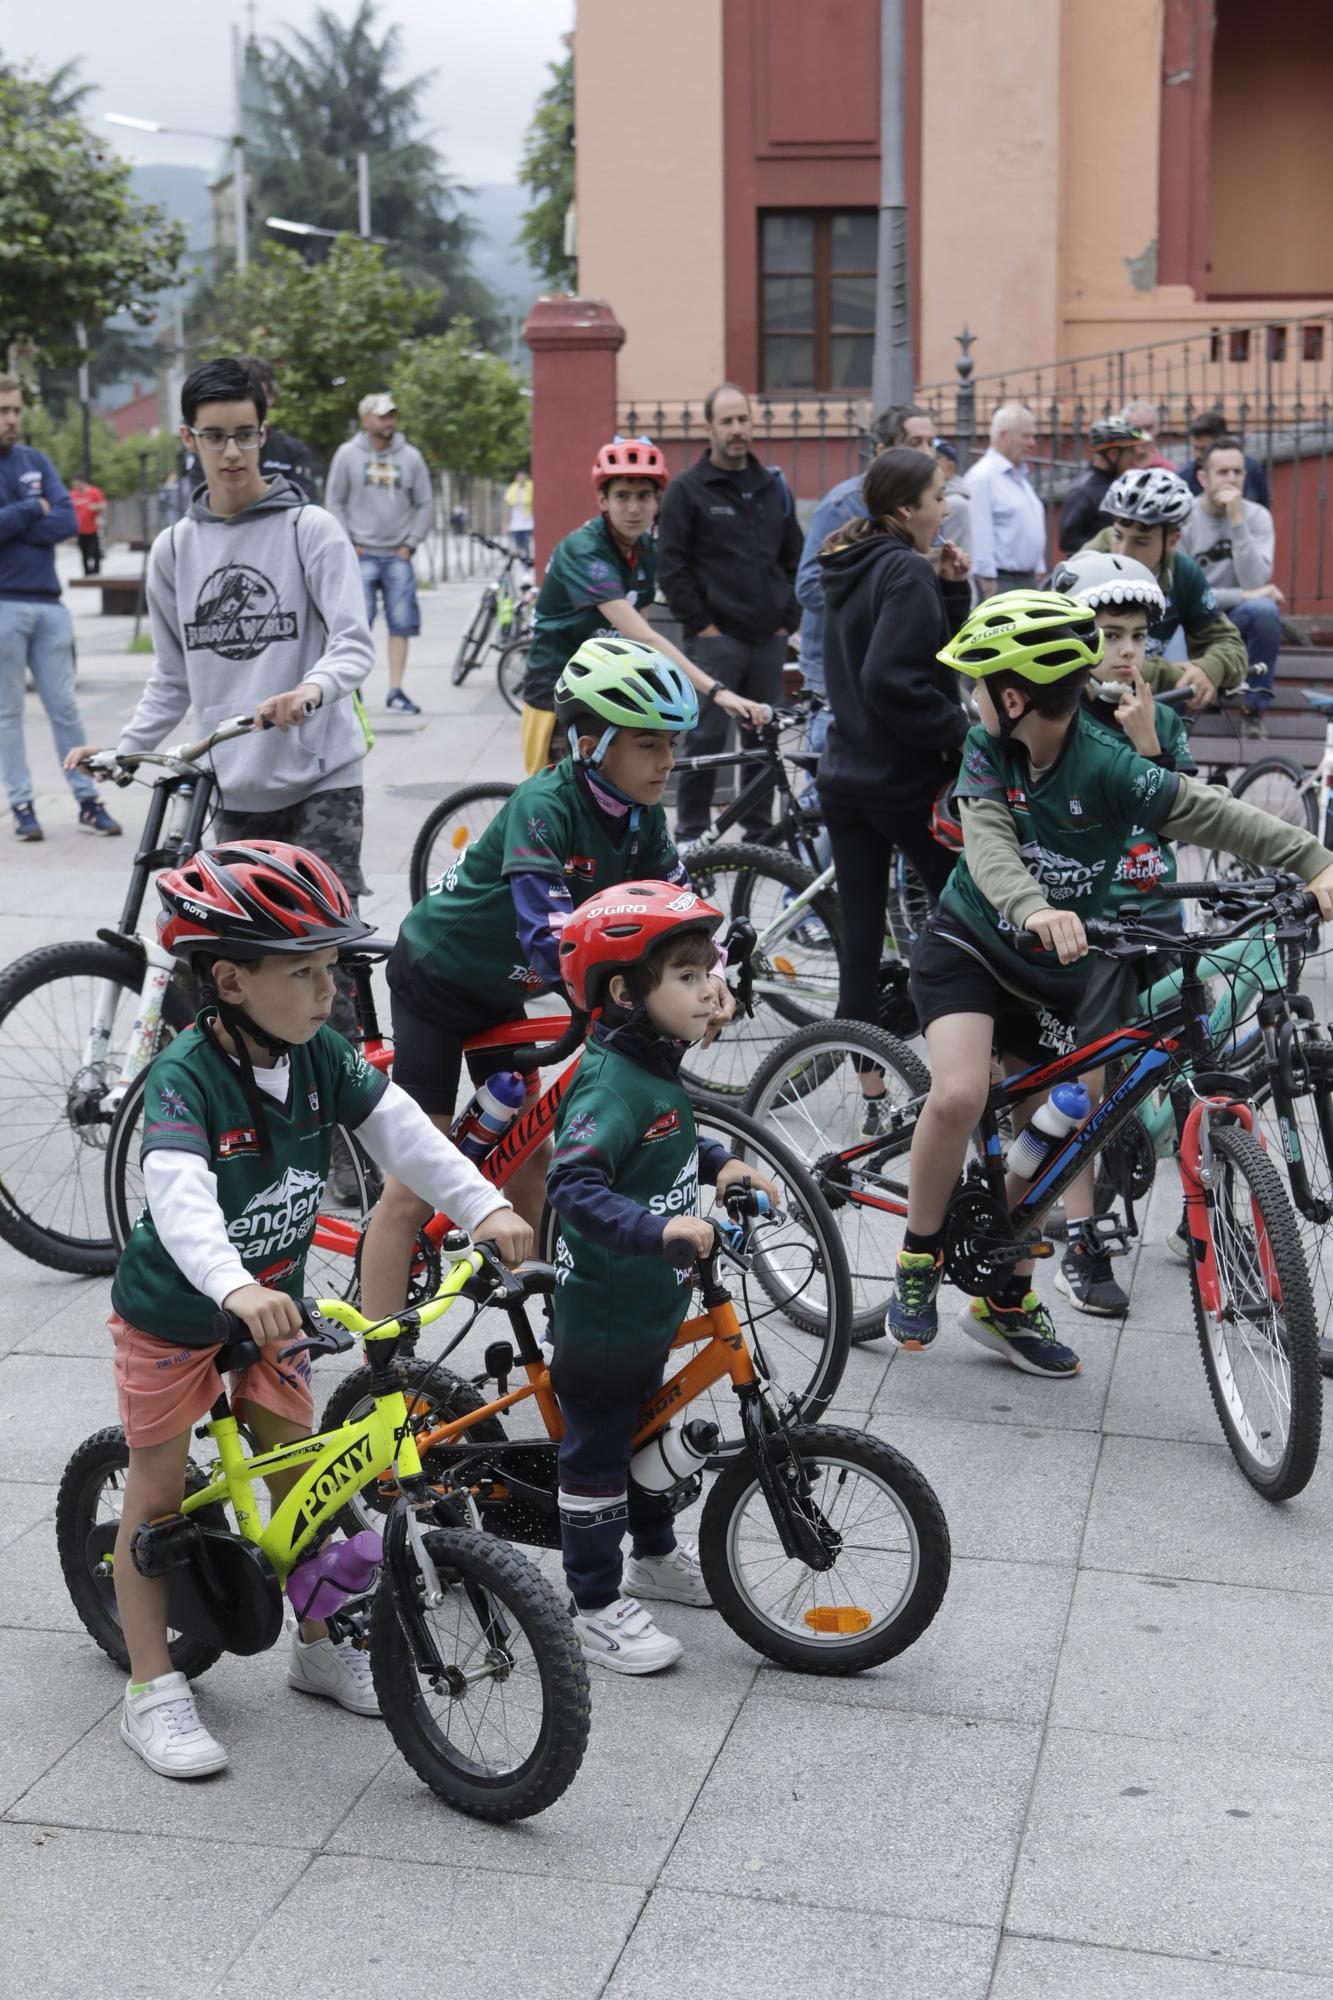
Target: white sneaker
{"points": [[624, 1638], [675, 1578], [161, 1724], [341, 1673]]}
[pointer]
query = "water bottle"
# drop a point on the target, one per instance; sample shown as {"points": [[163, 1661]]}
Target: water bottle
{"points": [[1066, 1107], [490, 1113], [674, 1455], [336, 1572]]}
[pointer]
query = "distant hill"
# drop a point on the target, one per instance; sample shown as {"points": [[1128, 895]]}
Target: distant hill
{"points": [[183, 192]]}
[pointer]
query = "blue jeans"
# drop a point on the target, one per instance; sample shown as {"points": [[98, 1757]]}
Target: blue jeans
{"points": [[37, 634], [1259, 623], [394, 578]]}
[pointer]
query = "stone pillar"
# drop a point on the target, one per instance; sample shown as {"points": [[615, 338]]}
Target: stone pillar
{"points": [[574, 345]]}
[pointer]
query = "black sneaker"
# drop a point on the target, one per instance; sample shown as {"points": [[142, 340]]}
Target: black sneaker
{"points": [[1086, 1279], [25, 823]]}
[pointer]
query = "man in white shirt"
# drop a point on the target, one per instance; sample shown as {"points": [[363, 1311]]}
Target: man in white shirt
{"points": [[1008, 519], [1232, 540]]}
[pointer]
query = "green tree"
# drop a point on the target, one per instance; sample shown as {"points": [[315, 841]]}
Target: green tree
{"points": [[74, 245], [330, 330], [547, 172], [467, 410], [335, 93], [115, 461]]}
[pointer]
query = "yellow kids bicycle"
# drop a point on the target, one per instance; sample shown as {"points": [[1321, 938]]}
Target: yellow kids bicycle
{"points": [[475, 1665]]}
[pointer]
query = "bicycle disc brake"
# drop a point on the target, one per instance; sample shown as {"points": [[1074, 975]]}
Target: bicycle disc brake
{"points": [[1131, 1161], [980, 1247]]}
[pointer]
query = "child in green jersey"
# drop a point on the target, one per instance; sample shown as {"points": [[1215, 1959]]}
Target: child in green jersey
{"points": [[239, 1115], [625, 1185], [1048, 797], [486, 936]]}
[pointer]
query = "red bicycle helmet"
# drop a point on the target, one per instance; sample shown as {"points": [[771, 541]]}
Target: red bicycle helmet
{"points": [[629, 458], [251, 898], [617, 928]]}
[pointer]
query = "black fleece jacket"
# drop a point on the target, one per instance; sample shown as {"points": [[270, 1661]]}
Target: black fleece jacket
{"points": [[898, 722], [728, 548]]}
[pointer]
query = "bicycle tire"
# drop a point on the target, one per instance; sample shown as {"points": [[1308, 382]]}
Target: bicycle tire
{"points": [[443, 1397], [511, 671], [1271, 775], [480, 1567], [920, 1519], [1238, 1158], [94, 1597], [1313, 1118], [789, 1093], [327, 1276], [83, 1244], [422, 870], [795, 975], [473, 642]]}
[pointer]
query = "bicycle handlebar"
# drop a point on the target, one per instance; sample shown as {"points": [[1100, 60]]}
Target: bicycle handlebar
{"points": [[532, 1055], [1130, 940], [106, 764]]}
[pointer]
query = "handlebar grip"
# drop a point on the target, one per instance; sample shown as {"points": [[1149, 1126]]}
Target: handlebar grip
{"points": [[531, 1056], [681, 1254]]}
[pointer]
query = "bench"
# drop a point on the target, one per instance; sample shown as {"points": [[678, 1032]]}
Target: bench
{"points": [[1295, 730], [120, 594]]}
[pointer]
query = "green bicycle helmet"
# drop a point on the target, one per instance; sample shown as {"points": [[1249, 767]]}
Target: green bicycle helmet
{"points": [[623, 685], [1038, 634]]}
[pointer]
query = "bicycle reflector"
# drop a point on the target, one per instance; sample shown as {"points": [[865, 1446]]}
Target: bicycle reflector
{"points": [[839, 1618]]}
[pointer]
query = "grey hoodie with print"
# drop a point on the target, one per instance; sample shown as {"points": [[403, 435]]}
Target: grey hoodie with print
{"points": [[248, 606], [383, 498]]}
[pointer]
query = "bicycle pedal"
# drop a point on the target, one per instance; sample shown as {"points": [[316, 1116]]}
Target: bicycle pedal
{"points": [[163, 1545]]}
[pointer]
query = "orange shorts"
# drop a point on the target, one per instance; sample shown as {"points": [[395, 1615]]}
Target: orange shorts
{"points": [[164, 1390]]}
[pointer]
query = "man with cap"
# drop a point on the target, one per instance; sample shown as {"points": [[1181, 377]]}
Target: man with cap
{"points": [[1114, 441], [379, 489]]}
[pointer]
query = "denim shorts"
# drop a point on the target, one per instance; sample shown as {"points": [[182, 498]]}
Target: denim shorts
{"points": [[394, 578]]}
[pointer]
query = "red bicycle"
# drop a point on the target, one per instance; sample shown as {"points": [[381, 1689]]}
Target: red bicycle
{"points": [[800, 1275]]}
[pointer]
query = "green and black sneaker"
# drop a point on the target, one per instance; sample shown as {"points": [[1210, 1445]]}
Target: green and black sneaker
{"points": [[1023, 1334]]}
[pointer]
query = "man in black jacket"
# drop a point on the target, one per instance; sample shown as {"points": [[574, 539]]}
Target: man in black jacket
{"points": [[729, 546], [1081, 515]]}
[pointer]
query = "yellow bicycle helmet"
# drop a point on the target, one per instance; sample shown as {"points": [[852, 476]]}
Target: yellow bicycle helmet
{"points": [[1038, 634]]}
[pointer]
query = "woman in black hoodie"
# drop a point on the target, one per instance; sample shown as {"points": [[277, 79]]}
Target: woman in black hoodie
{"points": [[898, 723]]}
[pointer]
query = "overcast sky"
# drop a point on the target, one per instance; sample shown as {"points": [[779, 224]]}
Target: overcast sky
{"points": [[168, 60]]}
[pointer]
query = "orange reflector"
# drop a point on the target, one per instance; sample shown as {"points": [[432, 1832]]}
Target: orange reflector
{"points": [[460, 837], [785, 967], [837, 1618]]}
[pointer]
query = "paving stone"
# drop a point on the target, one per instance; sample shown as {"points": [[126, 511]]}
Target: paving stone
{"points": [[75, 1688], [34, 1594], [990, 1653], [132, 1917], [957, 1379], [505, 1933], [1159, 1389], [47, 1407], [1185, 1848], [1041, 1969], [859, 1810], [22, 1504], [1199, 1662], [728, 1947]]}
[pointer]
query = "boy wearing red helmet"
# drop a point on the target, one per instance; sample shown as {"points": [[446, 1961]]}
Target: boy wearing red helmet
{"points": [[600, 580], [239, 1115], [624, 1181]]}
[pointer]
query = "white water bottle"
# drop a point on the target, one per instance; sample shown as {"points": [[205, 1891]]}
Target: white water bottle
{"points": [[1066, 1107], [673, 1455]]}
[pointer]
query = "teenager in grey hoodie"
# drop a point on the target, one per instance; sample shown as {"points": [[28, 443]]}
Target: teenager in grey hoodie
{"points": [[256, 607], [379, 488]]}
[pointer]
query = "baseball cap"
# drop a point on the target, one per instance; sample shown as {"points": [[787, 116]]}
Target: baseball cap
{"points": [[380, 405]]}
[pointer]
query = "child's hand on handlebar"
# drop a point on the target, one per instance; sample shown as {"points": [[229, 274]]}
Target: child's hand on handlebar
{"points": [[737, 1174], [270, 1317], [1322, 890], [76, 756], [752, 714], [1059, 931], [691, 1229], [511, 1235]]}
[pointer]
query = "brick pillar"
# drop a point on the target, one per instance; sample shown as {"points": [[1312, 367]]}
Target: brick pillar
{"points": [[574, 344]]}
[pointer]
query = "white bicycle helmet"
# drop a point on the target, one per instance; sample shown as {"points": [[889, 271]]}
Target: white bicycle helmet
{"points": [[1099, 580], [1151, 495]]}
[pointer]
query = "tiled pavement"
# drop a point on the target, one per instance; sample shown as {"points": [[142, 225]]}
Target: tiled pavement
{"points": [[1103, 1773]]}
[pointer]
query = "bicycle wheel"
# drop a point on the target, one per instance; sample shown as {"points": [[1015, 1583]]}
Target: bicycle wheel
{"points": [[1280, 787], [54, 1115], [1308, 1139], [473, 642], [461, 817], [511, 671], [795, 961], [909, 905], [881, 1518], [330, 1274], [436, 1400], [1260, 1348], [503, 1737], [88, 1514], [812, 1091]]}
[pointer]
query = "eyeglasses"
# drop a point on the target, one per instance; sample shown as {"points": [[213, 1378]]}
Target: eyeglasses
{"points": [[247, 438]]}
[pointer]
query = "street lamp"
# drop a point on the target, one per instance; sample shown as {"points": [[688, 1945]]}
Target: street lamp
{"points": [[362, 212], [234, 139]]}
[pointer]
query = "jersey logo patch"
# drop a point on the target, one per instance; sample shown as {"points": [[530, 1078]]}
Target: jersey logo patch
{"points": [[537, 829], [582, 867], [312, 1098], [1076, 807], [241, 1139], [663, 1127], [173, 1104], [1017, 798], [581, 1127]]}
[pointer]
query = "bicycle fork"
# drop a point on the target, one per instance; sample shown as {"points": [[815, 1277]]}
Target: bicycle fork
{"points": [[1198, 1179]]}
